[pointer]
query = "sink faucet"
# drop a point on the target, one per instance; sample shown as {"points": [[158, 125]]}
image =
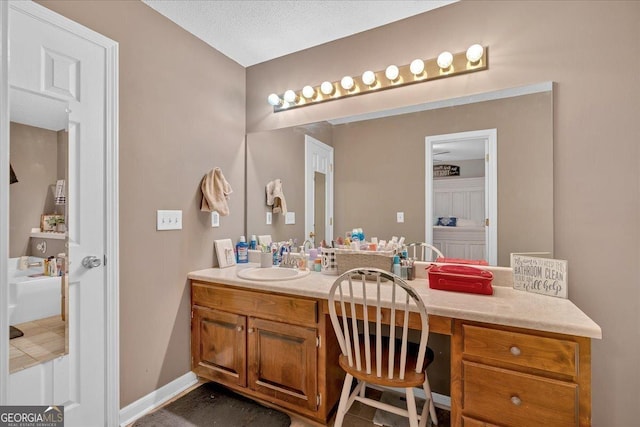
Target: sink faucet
{"points": [[304, 245]]}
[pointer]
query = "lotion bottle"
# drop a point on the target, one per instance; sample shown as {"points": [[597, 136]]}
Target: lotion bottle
{"points": [[396, 265]]}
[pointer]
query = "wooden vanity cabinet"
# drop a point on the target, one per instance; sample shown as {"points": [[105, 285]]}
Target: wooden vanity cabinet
{"points": [[267, 346], [510, 377]]}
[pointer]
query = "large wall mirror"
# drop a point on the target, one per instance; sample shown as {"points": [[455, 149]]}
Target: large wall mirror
{"points": [[37, 229], [380, 169]]}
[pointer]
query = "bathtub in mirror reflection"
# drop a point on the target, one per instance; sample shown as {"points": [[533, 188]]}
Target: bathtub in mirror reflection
{"points": [[37, 294], [380, 165]]}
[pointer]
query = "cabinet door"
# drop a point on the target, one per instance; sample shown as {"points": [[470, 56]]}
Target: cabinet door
{"points": [[219, 346], [282, 361]]}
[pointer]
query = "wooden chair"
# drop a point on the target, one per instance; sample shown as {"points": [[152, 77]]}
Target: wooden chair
{"points": [[424, 252], [372, 358]]}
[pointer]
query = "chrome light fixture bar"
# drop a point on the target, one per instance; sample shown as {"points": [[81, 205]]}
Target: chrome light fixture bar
{"points": [[476, 58]]}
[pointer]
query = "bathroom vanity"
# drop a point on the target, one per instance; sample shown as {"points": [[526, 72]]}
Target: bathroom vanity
{"points": [[517, 359]]}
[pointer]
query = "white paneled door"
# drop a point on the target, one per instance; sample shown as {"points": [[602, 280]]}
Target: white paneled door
{"points": [[52, 57]]}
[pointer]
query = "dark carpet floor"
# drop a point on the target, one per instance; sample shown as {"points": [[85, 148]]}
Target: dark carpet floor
{"points": [[213, 405]]}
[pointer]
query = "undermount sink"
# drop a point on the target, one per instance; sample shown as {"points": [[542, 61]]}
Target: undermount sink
{"points": [[271, 273]]}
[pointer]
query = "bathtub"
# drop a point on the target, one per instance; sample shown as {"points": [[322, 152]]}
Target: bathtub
{"points": [[31, 295]]}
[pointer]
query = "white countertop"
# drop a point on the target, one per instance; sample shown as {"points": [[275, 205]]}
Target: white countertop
{"points": [[506, 306]]}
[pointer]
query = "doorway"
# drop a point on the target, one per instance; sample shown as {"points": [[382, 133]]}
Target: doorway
{"points": [[318, 221], [442, 151]]}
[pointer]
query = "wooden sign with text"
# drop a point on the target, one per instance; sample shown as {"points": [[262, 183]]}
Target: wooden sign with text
{"points": [[446, 170], [540, 275]]}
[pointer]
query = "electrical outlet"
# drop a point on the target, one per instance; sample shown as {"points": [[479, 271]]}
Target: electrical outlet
{"points": [[400, 216], [169, 220], [290, 218], [215, 219], [269, 218]]}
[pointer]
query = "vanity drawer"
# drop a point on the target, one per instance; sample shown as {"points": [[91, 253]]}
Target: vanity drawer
{"points": [[258, 304], [515, 399], [531, 351]]}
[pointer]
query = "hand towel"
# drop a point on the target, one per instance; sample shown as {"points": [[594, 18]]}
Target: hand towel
{"points": [[275, 196], [215, 192]]}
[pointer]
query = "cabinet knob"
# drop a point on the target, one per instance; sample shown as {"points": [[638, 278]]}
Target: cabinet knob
{"points": [[515, 350], [516, 400], [239, 328]]}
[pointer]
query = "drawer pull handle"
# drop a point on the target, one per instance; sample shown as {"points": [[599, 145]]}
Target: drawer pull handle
{"points": [[515, 350], [239, 328], [516, 400]]}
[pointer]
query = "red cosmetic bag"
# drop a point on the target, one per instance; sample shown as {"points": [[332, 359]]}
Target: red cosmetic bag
{"points": [[460, 278]]}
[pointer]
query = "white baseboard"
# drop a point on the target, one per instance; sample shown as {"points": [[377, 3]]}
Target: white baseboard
{"points": [[439, 400], [156, 398]]}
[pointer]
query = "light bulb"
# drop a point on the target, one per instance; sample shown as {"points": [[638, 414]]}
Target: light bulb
{"points": [[274, 99], [326, 88], [290, 96], [308, 92], [369, 78], [474, 53], [417, 67], [347, 83], [392, 72], [445, 59]]}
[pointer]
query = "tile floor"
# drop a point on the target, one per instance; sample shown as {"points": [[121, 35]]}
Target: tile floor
{"points": [[43, 339]]}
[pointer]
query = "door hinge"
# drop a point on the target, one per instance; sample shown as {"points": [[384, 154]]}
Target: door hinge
{"points": [[331, 221], [330, 167], [486, 222], [318, 399], [192, 314], [105, 260], [486, 157], [318, 342]]}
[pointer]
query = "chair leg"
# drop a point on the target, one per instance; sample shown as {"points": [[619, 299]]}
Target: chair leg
{"points": [[344, 399], [411, 407], [363, 389], [432, 407]]}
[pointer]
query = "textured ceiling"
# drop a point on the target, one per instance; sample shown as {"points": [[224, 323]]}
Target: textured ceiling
{"points": [[254, 31]]}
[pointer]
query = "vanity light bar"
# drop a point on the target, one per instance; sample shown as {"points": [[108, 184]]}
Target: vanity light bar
{"points": [[476, 58]]}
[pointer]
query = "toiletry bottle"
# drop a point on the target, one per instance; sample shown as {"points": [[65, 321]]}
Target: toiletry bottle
{"points": [[242, 251], [396, 265], [253, 244]]}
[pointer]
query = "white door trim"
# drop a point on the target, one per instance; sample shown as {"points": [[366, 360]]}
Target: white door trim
{"points": [[309, 170], [112, 368], [491, 180], [4, 201]]}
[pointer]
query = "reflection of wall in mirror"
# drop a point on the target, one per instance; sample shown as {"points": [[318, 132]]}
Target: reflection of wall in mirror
{"points": [[380, 166], [278, 154], [40, 156]]}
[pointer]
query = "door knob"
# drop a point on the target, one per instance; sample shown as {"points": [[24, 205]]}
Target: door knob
{"points": [[91, 261], [312, 235]]}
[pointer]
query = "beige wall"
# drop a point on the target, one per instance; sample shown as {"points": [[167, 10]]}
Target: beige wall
{"points": [[596, 159], [34, 156], [182, 112]]}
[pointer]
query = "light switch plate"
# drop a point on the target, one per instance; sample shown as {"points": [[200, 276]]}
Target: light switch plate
{"points": [[169, 220], [215, 219], [400, 216], [269, 218], [290, 218]]}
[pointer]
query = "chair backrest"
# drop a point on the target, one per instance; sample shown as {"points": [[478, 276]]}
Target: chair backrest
{"points": [[374, 295], [424, 252]]}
